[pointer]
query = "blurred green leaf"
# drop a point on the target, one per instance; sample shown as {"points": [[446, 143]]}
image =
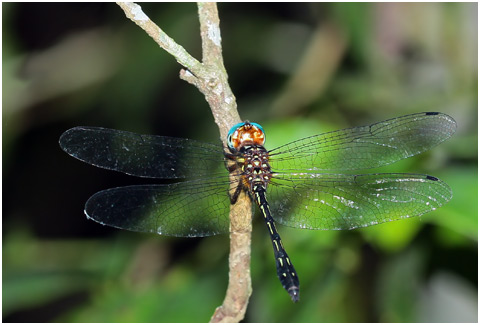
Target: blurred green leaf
{"points": [[393, 236], [460, 215], [398, 286]]}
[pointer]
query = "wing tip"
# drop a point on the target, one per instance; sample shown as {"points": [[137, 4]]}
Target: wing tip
{"points": [[432, 178]]}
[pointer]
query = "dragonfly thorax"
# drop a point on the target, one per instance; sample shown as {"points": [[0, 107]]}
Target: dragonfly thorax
{"points": [[256, 170]]}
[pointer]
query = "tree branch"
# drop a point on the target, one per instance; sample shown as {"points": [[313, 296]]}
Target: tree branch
{"points": [[210, 77], [134, 13], [210, 33]]}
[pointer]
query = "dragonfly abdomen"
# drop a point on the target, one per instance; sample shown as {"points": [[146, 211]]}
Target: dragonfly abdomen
{"points": [[285, 270], [257, 174]]}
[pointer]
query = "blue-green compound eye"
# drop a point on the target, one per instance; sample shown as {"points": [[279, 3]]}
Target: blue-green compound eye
{"points": [[234, 141], [258, 126]]}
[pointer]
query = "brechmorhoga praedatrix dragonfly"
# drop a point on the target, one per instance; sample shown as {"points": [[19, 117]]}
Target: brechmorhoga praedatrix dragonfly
{"points": [[298, 194]]}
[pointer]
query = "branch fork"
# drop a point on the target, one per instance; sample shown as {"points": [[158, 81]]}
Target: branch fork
{"points": [[211, 78]]}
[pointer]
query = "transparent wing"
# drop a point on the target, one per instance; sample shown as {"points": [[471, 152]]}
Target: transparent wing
{"points": [[186, 209], [365, 146], [142, 155], [336, 201]]}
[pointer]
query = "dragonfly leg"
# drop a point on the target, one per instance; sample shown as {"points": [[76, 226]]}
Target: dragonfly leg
{"points": [[235, 195]]}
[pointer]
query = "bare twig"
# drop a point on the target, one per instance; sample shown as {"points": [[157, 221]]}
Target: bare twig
{"points": [[210, 77], [134, 12]]}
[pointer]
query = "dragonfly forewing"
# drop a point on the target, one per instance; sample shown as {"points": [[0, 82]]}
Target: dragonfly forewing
{"points": [[365, 147], [142, 155]]}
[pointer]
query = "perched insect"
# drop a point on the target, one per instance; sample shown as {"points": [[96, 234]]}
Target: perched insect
{"points": [[298, 195]]}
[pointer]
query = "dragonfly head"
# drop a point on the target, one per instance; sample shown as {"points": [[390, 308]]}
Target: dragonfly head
{"points": [[245, 133]]}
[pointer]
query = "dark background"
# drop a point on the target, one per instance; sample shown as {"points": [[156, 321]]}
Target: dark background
{"points": [[298, 69]]}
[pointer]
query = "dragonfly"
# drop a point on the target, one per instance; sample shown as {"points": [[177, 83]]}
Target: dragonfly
{"points": [[300, 184]]}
